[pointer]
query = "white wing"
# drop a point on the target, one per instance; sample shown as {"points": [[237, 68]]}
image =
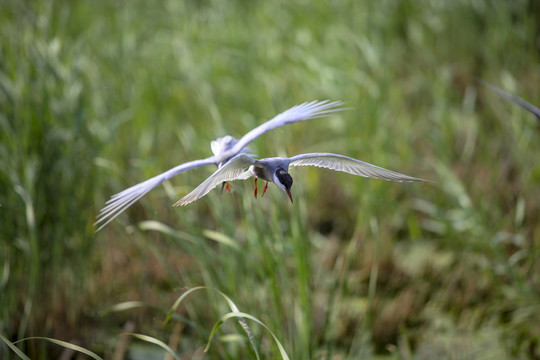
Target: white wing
{"points": [[234, 169], [124, 199], [348, 165], [305, 111]]}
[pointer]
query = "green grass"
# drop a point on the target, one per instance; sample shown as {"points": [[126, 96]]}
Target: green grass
{"points": [[98, 96]]}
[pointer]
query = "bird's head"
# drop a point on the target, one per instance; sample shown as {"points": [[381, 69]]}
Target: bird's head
{"points": [[222, 144], [284, 181]]}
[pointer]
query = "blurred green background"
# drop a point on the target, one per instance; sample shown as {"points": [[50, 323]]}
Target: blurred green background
{"points": [[96, 96]]}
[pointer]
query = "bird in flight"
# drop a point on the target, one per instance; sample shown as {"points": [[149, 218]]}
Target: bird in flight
{"points": [[224, 149], [275, 170]]}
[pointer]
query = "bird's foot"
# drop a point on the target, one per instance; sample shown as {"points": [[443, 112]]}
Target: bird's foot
{"points": [[265, 187], [225, 186]]}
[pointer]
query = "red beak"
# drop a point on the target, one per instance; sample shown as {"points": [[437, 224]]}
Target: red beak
{"points": [[290, 196]]}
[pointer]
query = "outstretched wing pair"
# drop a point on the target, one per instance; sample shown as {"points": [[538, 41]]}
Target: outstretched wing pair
{"points": [[238, 169], [309, 110]]}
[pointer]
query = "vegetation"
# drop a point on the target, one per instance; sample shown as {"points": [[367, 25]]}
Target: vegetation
{"points": [[96, 96]]}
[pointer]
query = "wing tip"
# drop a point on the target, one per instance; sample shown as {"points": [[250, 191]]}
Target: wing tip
{"points": [[180, 203], [184, 201], [415, 179]]}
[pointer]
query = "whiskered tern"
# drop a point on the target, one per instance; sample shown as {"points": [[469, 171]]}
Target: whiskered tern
{"points": [[275, 170], [224, 149]]}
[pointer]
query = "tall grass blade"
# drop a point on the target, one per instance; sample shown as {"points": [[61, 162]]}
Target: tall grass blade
{"points": [[232, 306], [155, 341], [123, 306], [65, 344], [15, 349], [151, 225], [241, 315], [221, 238]]}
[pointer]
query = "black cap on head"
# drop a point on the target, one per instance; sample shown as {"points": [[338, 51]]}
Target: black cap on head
{"points": [[284, 178]]}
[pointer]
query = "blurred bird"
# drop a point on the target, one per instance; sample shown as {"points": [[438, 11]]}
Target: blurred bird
{"points": [[515, 99], [276, 169], [224, 149]]}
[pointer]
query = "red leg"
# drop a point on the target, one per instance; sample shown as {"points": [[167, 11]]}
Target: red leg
{"points": [[265, 187], [255, 187], [225, 186]]}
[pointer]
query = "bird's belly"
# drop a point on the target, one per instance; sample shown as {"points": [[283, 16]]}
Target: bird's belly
{"points": [[260, 172]]}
